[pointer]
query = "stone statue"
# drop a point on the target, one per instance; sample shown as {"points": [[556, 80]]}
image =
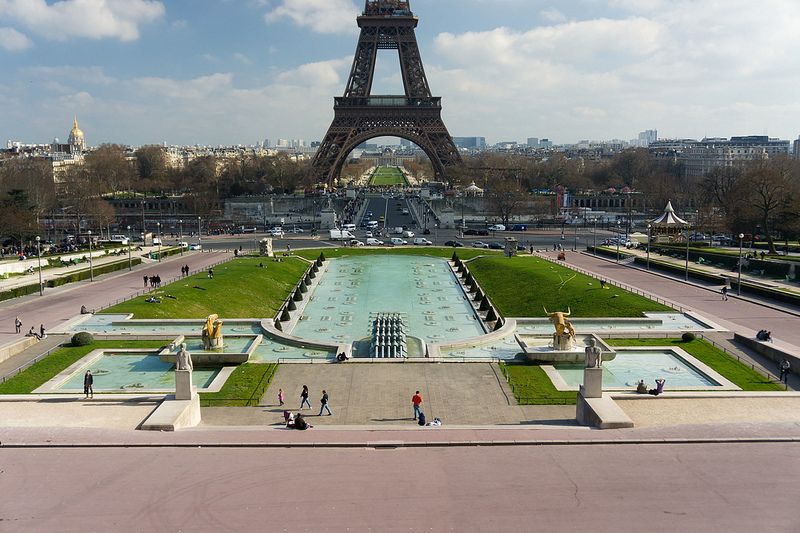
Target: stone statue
{"points": [[561, 323], [594, 356], [183, 361], [212, 333]]}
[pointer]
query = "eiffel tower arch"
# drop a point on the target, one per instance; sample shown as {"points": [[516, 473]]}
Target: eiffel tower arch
{"points": [[359, 115]]}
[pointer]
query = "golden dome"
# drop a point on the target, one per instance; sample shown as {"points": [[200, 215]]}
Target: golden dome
{"points": [[76, 132]]}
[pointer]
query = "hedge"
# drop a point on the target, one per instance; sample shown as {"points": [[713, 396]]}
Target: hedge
{"points": [[80, 275]]}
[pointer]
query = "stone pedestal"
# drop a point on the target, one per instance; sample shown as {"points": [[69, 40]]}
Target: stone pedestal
{"points": [[265, 247], [563, 343], [184, 390], [592, 383], [447, 219]]}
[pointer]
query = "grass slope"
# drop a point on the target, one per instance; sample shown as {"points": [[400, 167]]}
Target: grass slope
{"points": [[244, 388], [43, 371], [522, 286], [531, 386], [240, 289], [739, 373]]}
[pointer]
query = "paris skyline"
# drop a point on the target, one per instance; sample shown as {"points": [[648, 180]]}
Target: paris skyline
{"points": [[236, 72]]}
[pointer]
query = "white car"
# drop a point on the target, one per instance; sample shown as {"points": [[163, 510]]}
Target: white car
{"points": [[368, 235], [397, 241], [479, 244], [183, 244], [374, 242], [195, 246], [296, 230], [408, 234], [356, 242], [422, 241], [497, 227], [276, 232]]}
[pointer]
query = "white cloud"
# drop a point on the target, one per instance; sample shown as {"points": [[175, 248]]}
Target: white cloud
{"points": [[84, 75], [321, 16], [320, 75], [94, 19], [13, 41]]}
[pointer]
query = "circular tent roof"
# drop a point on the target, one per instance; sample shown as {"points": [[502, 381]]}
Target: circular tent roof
{"points": [[669, 219]]}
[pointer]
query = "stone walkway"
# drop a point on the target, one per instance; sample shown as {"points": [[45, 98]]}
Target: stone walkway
{"points": [[380, 394]]}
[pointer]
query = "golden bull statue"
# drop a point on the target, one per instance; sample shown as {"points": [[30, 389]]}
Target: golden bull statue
{"points": [[560, 322], [212, 332]]}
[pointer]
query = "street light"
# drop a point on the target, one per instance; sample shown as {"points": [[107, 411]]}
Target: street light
{"points": [[686, 274], [575, 246], [180, 239], [594, 238], [158, 232], [649, 227], [91, 264], [199, 232], [618, 223], [739, 283], [39, 257], [130, 265]]}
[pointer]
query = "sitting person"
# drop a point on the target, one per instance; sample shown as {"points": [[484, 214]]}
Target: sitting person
{"points": [[764, 335], [659, 387], [84, 311], [300, 423], [32, 333], [641, 388], [289, 419]]}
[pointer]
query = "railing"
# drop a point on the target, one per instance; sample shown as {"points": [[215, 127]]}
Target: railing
{"points": [[433, 102], [625, 286], [27, 365], [756, 368]]}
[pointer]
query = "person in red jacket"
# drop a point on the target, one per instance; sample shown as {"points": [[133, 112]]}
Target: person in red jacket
{"points": [[416, 401]]}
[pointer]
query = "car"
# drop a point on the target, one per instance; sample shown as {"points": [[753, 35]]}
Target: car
{"points": [[195, 246], [369, 214], [408, 234], [382, 218], [479, 244], [374, 242], [397, 241], [296, 230], [497, 227], [496, 246], [183, 244], [519, 227], [356, 242], [454, 244], [422, 241], [368, 234], [470, 231], [405, 211], [276, 232]]}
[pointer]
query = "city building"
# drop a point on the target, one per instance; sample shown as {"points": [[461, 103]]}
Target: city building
{"points": [[700, 157], [646, 138], [470, 143], [796, 151], [533, 142]]}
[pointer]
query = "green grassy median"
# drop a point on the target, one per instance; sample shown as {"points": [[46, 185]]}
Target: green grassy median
{"points": [[244, 388], [531, 386], [240, 289]]}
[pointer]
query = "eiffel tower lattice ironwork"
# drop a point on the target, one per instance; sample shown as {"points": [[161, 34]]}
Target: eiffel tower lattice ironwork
{"points": [[360, 116]]}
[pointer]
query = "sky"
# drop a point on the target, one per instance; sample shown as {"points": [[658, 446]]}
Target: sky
{"points": [[225, 72]]}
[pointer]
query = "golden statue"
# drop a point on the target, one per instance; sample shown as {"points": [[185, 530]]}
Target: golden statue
{"points": [[212, 333], [561, 323]]}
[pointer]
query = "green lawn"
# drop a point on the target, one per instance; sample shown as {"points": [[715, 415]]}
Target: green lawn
{"points": [[430, 251], [523, 286], [244, 388], [531, 386], [240, 289], [387, 176], [46, 369], [739, 373]]}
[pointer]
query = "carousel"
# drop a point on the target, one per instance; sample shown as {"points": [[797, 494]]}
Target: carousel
{"points": [[669, 227]]}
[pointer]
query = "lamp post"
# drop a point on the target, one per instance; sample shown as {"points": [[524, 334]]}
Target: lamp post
{"points": [[594, 238], [130, 264], [39, 257], [739, 283], [199, 231], [686, 273], [575, 246], [91, 264], [180, 238], [649, 227], [618, 223], [158, 232]]}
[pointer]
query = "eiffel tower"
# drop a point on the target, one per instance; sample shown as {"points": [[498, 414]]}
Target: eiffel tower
{"points": [[360, 116]]}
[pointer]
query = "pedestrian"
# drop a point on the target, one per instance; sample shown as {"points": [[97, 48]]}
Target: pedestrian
{"points": [[145, 282], [324, 404], [18, 325], [210, 273], [602, 284], [785, 366], [416, 402], [42, 333], [186, 267], [304, 397], [280, 396], [88, 381], [725, 293]]}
